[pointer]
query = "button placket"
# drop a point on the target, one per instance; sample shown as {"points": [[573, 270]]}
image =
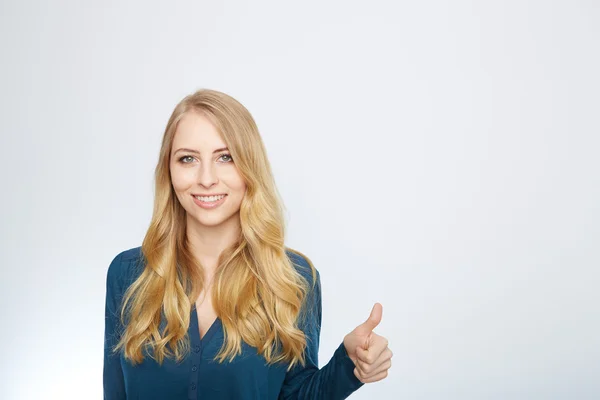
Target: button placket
{"points": [[194, 372], [195, 354]]}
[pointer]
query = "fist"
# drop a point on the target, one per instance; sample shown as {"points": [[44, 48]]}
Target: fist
{"points": [[369, 351]]}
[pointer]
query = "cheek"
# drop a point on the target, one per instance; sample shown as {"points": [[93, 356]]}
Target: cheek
{"points": [[232, 180], [237, 182], [181, 180], [176, 184], [241, 186]]}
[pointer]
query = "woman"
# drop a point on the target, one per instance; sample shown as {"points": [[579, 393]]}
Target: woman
{"points": [[213, 305]]}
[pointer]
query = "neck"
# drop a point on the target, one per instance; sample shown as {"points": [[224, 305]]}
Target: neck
{"points": [[208, 242]]}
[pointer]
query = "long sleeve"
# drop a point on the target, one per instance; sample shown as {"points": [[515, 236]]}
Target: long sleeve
{"points": [[114, 385], [335, 380]]}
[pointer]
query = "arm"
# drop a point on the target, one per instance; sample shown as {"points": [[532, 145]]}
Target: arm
{"points": [[114, 385], [336, 380]]}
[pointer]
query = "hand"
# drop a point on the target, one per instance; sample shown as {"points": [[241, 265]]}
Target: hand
{"points": [[369, 351]]}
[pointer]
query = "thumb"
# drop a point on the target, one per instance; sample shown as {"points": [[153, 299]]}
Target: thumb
{"points": [[374, 319]]}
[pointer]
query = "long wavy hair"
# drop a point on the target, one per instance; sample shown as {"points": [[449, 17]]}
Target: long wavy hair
{"points": [[257, 292]]}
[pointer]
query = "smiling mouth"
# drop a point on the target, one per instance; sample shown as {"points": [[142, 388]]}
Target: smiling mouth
{"points": [[210, 199]]}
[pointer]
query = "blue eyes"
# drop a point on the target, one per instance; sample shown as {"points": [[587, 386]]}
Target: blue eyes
{"points": [[181, 159]]}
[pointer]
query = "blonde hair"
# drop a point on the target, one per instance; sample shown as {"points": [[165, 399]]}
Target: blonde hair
{"points": [[257, 292]]}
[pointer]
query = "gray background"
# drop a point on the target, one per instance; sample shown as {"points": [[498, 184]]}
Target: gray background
{"points": [[439, 157]]}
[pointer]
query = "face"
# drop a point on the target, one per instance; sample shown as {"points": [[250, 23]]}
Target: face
{"points": [[202, 166]]}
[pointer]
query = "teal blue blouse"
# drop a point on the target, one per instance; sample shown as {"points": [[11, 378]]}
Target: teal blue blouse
{"points": [[197, 376]]}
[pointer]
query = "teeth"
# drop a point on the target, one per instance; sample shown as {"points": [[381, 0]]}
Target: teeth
{"points": [[209, 199]]}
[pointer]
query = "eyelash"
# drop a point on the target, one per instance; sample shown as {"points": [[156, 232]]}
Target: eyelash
{"points": [[224, 154]]}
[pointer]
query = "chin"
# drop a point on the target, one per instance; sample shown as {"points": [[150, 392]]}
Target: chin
{"points": [[213, 220]]}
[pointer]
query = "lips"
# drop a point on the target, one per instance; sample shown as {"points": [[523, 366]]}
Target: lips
{"points": [[209, 204], [211, 196]]}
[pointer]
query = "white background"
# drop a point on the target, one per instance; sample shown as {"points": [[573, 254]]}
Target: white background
{"points": [[439, 157]]}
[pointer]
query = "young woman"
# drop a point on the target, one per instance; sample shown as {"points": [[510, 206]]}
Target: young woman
{"points": [[213, 305]]}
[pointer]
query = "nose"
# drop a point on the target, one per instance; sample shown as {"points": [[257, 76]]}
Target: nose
{"points": [[207, 176]]}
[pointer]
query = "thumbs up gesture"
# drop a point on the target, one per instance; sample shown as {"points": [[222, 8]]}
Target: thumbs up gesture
{"points": [[369, 351]]}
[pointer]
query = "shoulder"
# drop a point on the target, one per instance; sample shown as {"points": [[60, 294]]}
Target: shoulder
{"points": [[125, 267], [310, 314], [303, 265]]}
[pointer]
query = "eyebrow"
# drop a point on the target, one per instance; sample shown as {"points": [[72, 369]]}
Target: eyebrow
{"points": [[197, 152]]}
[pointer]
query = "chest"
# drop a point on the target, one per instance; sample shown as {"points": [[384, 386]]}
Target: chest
{"points": [[200, 375], [205, 313]]}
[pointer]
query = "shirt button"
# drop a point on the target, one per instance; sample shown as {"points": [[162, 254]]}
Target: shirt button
{"points": [[197, 349], [193, 386], [194, 368]]}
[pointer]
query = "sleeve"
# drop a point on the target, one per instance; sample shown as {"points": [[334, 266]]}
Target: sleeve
{"points": [[336, 380], [114, 385]]}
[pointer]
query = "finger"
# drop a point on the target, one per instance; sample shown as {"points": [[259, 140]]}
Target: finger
{"points": [[362, 367], [364, 356], [374, 367], [377, 345], [371, 352], [375, 378], [363, 376], [373, 320], [379, 369]]}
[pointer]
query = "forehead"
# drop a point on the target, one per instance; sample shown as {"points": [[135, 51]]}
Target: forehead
{"points": [[197, 132]]}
